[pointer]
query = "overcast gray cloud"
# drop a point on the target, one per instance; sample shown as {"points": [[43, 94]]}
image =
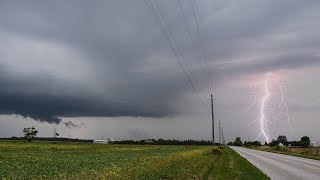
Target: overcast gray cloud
{"points": [[109, 58]]}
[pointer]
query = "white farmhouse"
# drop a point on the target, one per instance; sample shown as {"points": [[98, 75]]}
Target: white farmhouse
{"points": [[100, 141]]}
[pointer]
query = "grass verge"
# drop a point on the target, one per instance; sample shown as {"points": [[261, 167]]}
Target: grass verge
{"points": [[310, 153]]}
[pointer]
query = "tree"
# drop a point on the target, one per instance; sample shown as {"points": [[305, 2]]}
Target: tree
{"points": [[274, 142], [55, 134], [283, 139], [238, 142], [305, 141], [256, 143], [30, 133]]}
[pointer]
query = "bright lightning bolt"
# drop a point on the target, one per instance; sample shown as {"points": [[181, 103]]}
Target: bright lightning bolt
{"points": [[282, 104], [262, 116], [267, 125]]}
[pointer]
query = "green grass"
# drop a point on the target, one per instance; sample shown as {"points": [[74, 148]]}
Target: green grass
{"points": [[310, 153], [295, 154], [48, 160]]}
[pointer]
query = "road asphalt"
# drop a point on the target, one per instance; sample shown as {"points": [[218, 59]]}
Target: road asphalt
{"points": [[279, 166]]}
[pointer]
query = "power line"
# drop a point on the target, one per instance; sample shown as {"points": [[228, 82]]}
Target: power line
{"points": [[191, 38], [204, 54], [166, 36], [175, 42]]}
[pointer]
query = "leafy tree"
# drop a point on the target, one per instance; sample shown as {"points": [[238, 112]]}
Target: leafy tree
{"points": [[282, 139], [55, 134], [252, 143], [305, 141], [30, 133], [274, 142], [238, 142], [295, 143], [256, 143], [265, 143], [230, 144]]}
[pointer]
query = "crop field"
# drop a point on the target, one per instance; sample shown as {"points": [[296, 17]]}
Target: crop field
{"points": [[62, 160]]}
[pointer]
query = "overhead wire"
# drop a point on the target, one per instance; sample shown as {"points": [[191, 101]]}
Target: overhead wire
{"points": [[204, 54], [194, 45], [174, 51], [175, 42]]}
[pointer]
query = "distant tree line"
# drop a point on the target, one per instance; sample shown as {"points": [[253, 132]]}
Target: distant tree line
{"points": [[304, 141], [166, 142], [30, 134], [142, 142], [49, 139], [281, 140]]}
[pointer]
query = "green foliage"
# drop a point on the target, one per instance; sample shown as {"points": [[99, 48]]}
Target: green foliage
{"points": [[30, 133], [238, 142], [274, 143], [311, 153], [217, 150], [46, 160], [305, 141], [254, 143], [230, 165], [282, 139], [281, 148], [166, 142]]}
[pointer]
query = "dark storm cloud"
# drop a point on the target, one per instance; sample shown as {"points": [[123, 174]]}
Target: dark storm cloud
{"points": [[47, 100], [108, 58]]}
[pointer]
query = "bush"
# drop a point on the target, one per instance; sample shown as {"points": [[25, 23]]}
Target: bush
{"points": [[217, 150], [281, 148], [238, 142]]}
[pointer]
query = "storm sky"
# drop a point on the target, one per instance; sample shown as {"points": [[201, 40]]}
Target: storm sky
{"points": [[107, 67]]}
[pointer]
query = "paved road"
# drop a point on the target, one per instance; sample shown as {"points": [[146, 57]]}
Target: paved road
{"points": [[279, 166]]}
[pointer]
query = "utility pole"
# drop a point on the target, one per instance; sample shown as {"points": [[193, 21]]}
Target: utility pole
{"points": [[219, 132], [212, 118]]}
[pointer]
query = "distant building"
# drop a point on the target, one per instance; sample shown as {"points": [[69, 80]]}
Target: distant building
{"points": [[100, 141], [149, 141], [280, 144]]}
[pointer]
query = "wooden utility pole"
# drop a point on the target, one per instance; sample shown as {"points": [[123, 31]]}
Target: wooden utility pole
{"points": [[212, 118], [219, 132]]}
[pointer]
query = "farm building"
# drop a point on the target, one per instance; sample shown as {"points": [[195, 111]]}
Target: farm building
{"points": [[149, 141], [100, 141]]}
